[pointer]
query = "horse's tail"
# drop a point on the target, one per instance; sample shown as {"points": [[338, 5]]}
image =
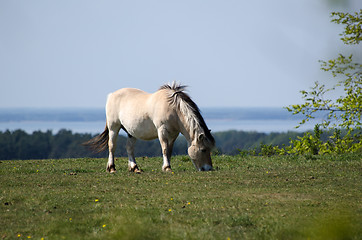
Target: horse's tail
{"points": [[99, 143]]}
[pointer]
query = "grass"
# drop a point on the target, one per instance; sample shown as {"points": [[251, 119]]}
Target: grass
{"points": [[245, 198]]}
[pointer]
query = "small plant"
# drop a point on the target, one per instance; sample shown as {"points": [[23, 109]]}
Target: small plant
{"points": [[308, 144], [267, 150], [243, 152]]}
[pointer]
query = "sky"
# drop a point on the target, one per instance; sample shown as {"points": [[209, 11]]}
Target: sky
{"points": [[231, 53]]}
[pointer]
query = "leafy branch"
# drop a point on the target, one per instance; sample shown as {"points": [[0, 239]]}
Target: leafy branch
{"points": [[353, 28], [345, 111]]}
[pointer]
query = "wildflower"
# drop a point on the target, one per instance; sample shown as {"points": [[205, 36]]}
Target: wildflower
{"points": [[97, 200], [188, 203], [104, 225], [171, 199], [70, 219], [19, 235], [29, 236], [170, 210]]}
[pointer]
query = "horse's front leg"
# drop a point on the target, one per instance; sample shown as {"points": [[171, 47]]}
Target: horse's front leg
{"points": [[132, 165], [166, 146]]}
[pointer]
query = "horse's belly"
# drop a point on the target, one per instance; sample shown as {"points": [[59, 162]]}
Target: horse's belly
{"points": [[141, 128]]}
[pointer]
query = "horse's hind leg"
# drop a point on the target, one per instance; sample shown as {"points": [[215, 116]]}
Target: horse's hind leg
{"points": [[112, 141], [132, 165]]}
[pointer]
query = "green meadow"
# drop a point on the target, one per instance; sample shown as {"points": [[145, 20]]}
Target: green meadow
{"points": [[246, 197]]}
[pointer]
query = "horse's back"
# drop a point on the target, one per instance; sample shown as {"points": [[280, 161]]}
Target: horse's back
{"points": [[132, 99], [128, 93], [124, 99]]}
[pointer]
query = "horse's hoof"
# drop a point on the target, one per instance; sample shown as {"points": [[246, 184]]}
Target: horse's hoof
{"points": [[135, 169], [111, 169], [167, 169], [138, 171]]}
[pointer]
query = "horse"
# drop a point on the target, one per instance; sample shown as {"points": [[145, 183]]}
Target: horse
{"points": [[163, 114]]}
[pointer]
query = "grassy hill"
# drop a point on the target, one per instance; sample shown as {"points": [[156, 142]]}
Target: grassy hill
{"points": [[284, 197]]}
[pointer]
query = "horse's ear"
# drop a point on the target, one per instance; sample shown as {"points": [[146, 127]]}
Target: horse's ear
{"points": [[201, 137]]}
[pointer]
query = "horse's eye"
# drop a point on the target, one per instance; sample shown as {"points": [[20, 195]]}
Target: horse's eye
{"points": [[203, 150]]}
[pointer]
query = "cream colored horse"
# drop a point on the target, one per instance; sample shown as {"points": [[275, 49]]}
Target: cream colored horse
{"points": [[163, 114]]}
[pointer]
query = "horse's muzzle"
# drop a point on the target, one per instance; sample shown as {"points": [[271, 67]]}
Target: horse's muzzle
{"points": [[206, 167]]}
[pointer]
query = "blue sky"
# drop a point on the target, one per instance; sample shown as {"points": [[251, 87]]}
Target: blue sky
{"points": [[230, 53]]}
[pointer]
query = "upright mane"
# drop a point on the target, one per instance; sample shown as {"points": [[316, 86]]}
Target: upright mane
{"points": [[188, 108]]}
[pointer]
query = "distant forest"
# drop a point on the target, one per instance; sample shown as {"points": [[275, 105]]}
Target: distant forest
{"points": [[65, 144]]}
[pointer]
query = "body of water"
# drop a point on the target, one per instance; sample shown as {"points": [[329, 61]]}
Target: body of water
{"points": [[93, 120]]}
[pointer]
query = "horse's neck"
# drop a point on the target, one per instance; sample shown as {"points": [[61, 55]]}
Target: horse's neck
{"points": [[188, 131], [189, 122]]}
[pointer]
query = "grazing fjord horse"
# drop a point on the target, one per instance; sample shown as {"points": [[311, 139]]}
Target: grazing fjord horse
{"points": [[163, 114]]}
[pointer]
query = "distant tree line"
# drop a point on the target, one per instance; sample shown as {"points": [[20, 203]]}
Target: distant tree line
{"points": [[45, 145]]}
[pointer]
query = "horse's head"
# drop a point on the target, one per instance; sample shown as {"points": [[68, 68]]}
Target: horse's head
{"points": [[199, 152]]}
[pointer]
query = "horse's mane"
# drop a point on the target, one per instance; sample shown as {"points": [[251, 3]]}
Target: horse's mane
{"points": [[188, 108]]}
